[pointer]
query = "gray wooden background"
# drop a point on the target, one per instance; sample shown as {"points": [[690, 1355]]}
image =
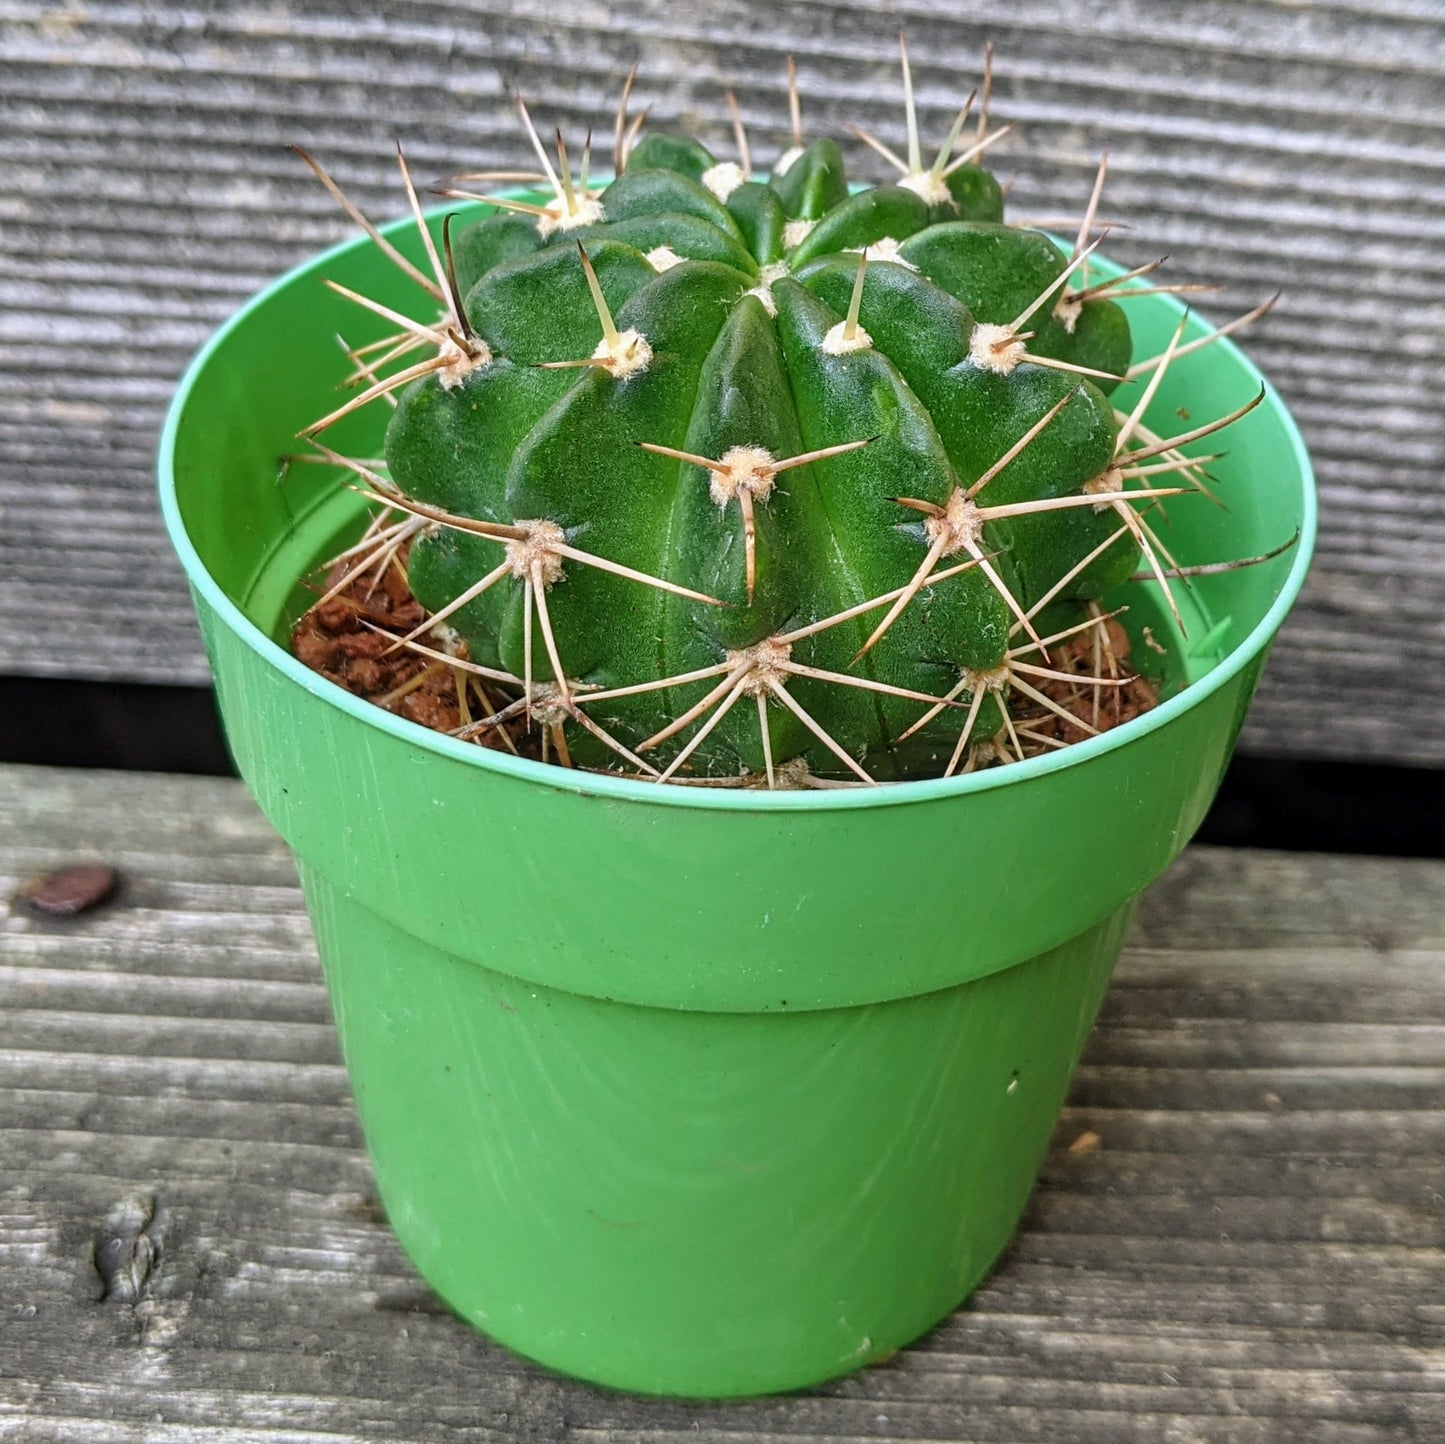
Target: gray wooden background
{"points": [[145, 191]]}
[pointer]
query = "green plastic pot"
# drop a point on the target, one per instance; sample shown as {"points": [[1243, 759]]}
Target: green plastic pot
{"points": [[690, 1091]]}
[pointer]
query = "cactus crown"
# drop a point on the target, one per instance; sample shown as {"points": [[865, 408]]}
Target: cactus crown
{"points": [[739, 479]]}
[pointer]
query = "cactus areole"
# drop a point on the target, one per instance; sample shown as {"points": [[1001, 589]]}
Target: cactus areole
{"points": [[723, 478]]}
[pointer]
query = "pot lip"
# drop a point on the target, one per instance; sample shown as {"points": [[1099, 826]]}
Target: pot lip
{"points": [[625, 789]]}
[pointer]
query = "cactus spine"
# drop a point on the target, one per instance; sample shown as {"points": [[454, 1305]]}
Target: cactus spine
{"points": [[735, 479]]}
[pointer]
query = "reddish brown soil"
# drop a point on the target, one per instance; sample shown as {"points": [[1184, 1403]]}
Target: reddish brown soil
{"points": [[347, 639], [1103, 708]]}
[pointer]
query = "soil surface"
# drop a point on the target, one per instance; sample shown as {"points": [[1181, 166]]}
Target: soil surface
{"points": [[349, 638], [1103, 652]]}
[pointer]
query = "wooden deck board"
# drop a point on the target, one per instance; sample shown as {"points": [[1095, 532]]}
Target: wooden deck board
{"points": [[1251, 1252]]}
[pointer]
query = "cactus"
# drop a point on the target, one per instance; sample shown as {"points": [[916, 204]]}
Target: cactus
{"points": [[766, 480]]}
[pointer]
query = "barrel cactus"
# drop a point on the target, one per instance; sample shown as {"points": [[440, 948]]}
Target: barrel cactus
{"points": [[715, 478]]}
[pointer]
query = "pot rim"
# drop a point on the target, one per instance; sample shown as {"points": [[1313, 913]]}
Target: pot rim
{"points": [[620, 789]]}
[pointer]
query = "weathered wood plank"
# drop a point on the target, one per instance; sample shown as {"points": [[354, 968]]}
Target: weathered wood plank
{"points": [[1263, 146], [1250, 1251]]}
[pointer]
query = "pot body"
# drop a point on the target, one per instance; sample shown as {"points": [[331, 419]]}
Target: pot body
{"points": [[700, 1203], [691, 1091]]}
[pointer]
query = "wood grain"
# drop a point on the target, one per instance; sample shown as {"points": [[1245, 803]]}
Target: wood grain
{"points": [[1237, 1236], [145, 190]]}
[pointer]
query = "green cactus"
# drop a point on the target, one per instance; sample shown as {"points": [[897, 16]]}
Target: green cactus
{"points": [[732, 479]]}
